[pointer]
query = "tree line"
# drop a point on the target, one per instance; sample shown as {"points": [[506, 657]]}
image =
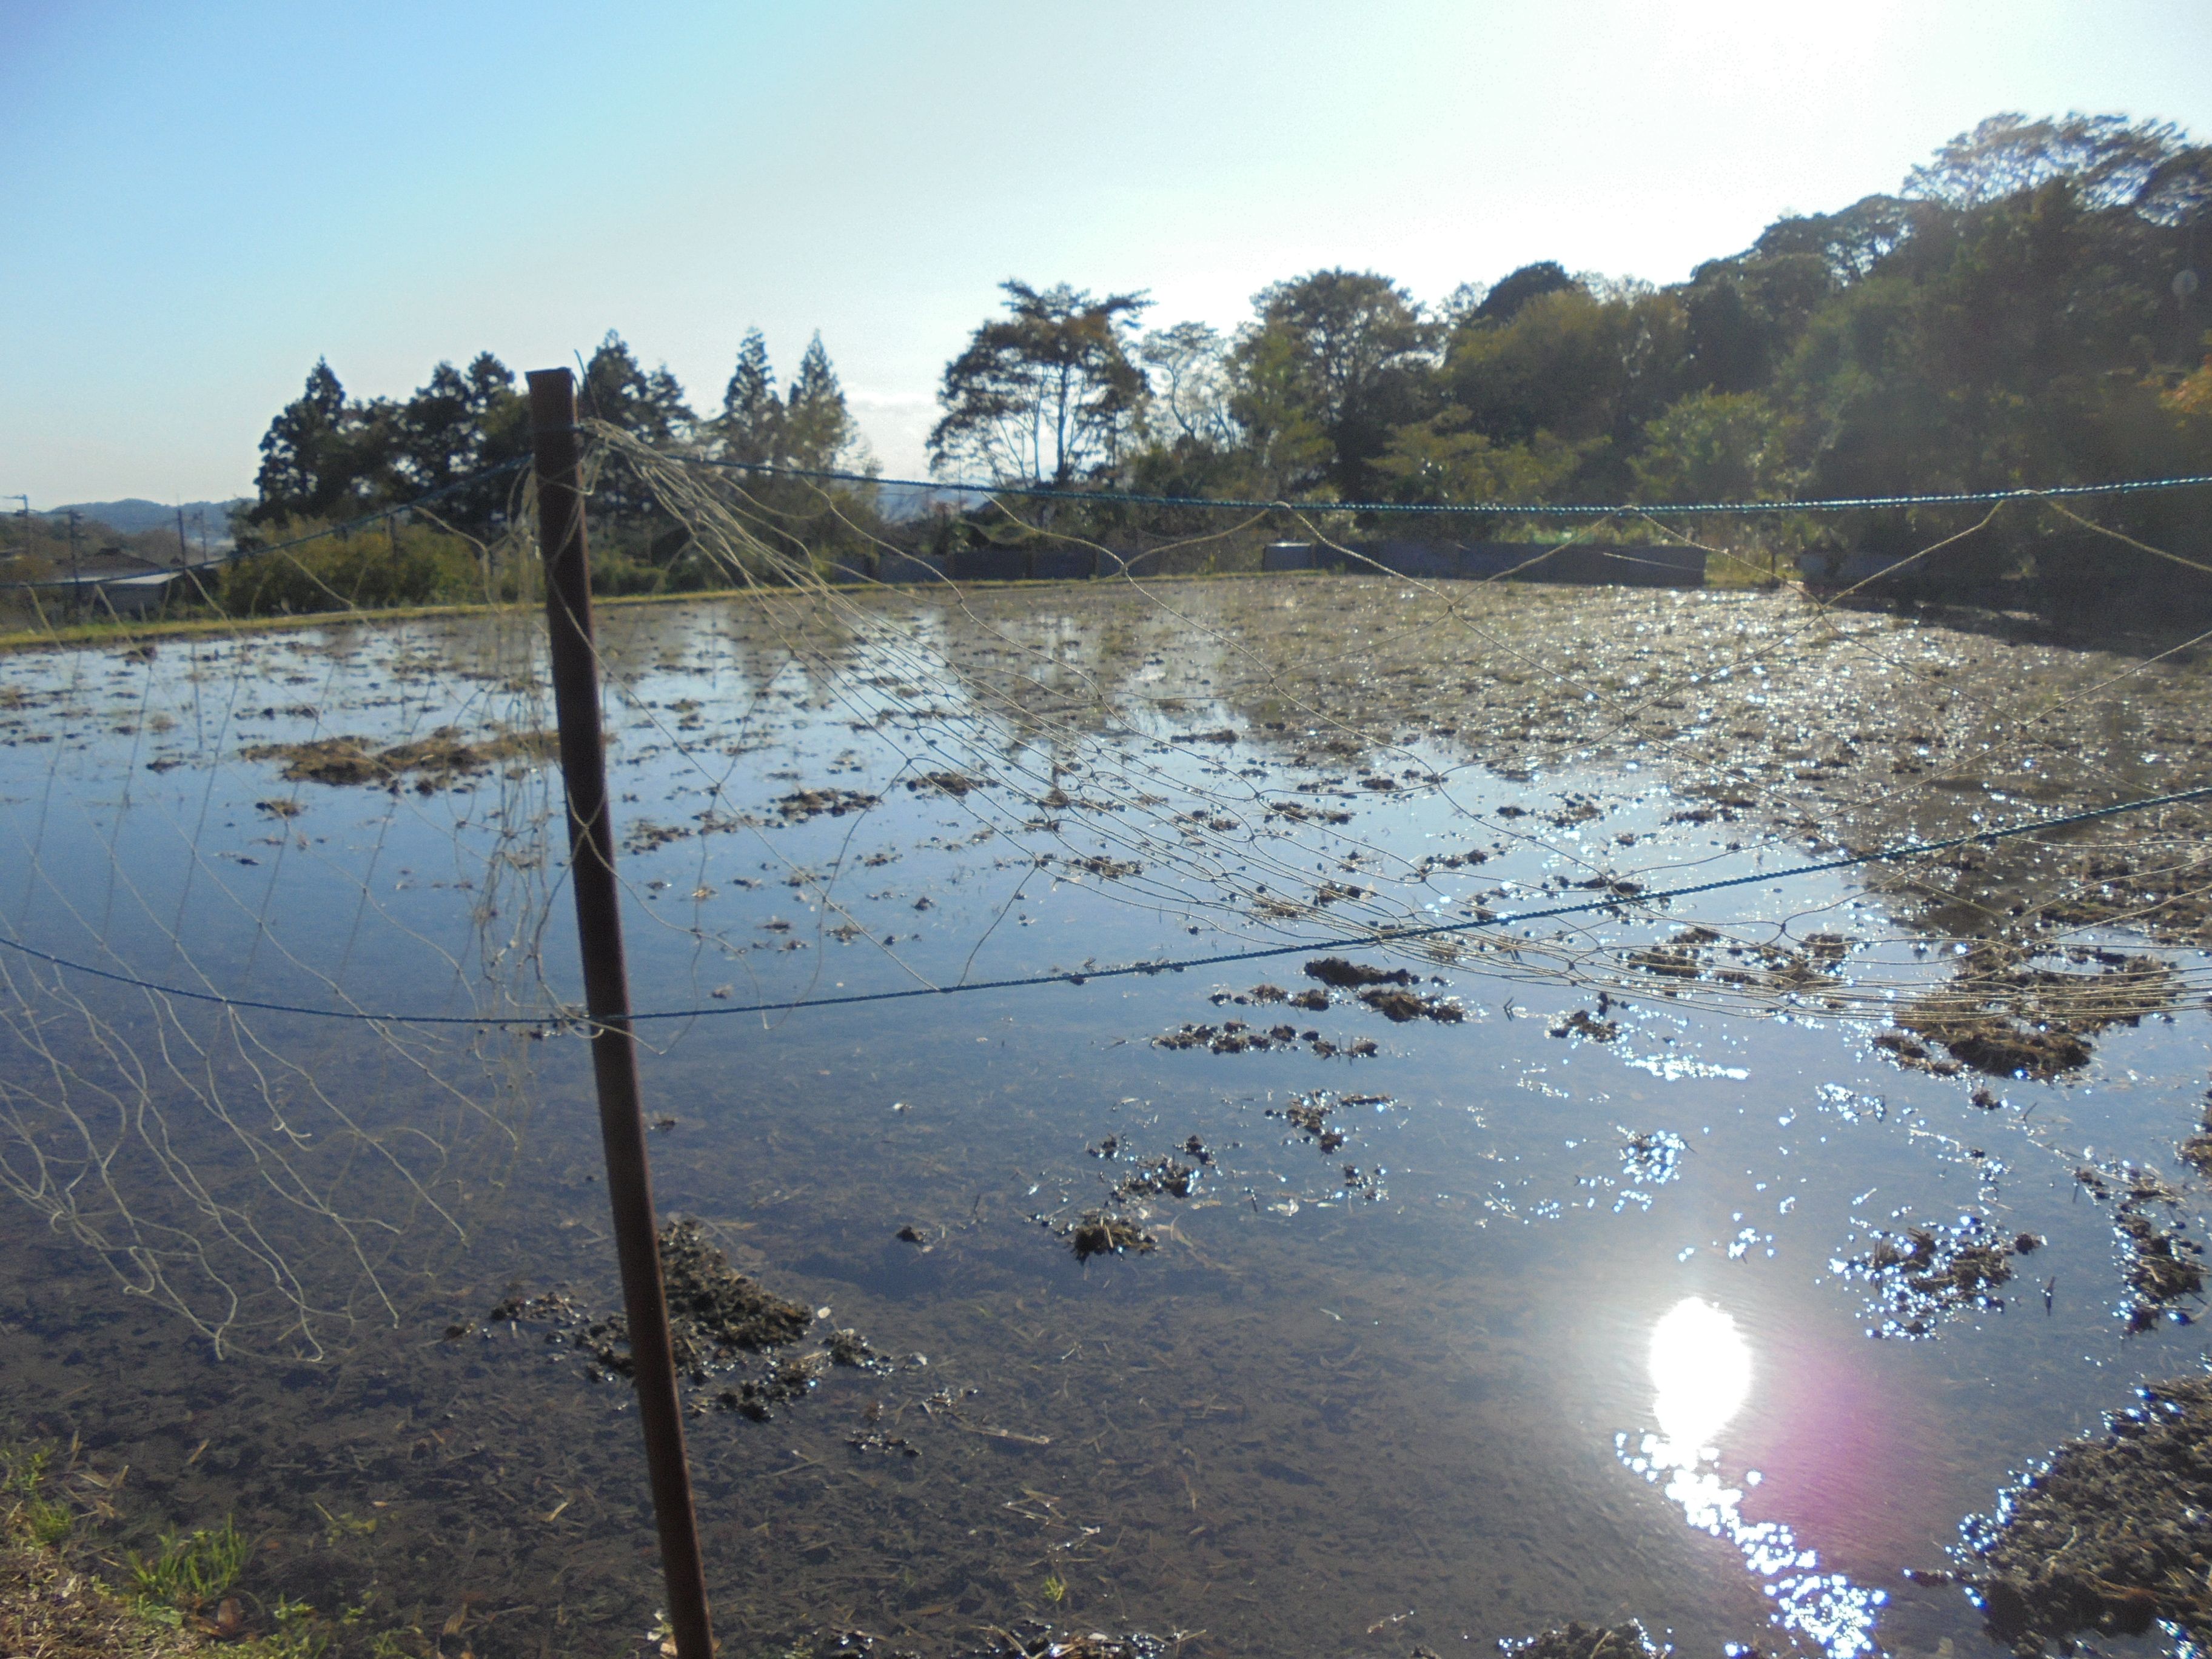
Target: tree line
{"points": [[2022, 311]]}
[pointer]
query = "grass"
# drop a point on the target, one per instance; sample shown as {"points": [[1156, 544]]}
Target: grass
{"points": [[190, 1570], [174, 1603]]}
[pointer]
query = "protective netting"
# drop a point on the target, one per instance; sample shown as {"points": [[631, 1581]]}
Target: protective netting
{"points": [[1220, 760]]}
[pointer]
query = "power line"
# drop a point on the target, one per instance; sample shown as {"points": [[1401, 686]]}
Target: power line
{"points": [[1369, 941]]}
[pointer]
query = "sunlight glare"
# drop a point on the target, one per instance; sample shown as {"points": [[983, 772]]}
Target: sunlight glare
{"points": [[1701, 1367]]}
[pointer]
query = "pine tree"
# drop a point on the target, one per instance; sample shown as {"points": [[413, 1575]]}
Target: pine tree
{"points": [[296, 452], [752, 426], [819, 432]]}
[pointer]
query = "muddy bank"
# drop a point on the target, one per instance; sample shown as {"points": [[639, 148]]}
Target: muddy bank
{"points": [[2114, 1536]]}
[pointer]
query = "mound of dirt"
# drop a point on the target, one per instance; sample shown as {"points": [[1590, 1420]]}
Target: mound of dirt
{"points": [[716, 1317], [2003, 1016], [1932, 1272], [432, 762], [1097, 1232], [2159, 1263], [2112, 1536], [1398, 1006]]}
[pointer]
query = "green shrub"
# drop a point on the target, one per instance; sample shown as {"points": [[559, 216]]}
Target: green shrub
{"points": [[362, 570]]}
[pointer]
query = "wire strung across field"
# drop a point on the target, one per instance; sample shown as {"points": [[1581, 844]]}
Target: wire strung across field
{"points": [[1494, 509], [1168, 965], [1027, 717]]}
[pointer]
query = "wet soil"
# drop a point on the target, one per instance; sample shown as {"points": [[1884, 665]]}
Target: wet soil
{"points": [[1234, 1036], [2162, 1270], [2115, 1534], [1344, 975], [430, 762], [716, 1317], [1573, 1641], [1101, 1232], [1921, 1275], [1278, 1411], [1398, 1006], [2004, 1016]]}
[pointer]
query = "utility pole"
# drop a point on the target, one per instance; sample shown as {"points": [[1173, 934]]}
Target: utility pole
{"points": [[183, 552]]}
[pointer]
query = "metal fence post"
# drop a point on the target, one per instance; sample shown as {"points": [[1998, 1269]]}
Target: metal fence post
{"points": [[606, 995]]}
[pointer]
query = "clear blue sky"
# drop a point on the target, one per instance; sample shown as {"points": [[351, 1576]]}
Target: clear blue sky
{"points": [[200, 200]]}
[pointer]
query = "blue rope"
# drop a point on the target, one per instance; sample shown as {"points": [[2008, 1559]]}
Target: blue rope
{"points": [[1491, 509], [1360, 942]]}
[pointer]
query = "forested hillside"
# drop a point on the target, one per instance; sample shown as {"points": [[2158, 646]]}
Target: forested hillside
{"points": [[2023, 310]]}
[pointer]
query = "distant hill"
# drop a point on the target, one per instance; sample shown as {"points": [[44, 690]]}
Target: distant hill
{"points": [[900, 502], [128, 517]]}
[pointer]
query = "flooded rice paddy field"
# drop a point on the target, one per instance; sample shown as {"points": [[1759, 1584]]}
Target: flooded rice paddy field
{"points": [[1706, 1262]]}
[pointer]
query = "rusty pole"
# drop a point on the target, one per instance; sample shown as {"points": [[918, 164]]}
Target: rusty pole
{"points": [[606, 995]]}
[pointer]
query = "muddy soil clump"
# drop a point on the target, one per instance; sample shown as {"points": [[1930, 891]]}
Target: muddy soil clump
{"points": [[1310, 1115], [1399, 1006], [433, 763], [1234, 1036], [1768, 969], [1583, 1024], [1933, 1272], [1101, 1232], [1577, 1641], [1344, 975], [2002, 1015], [2112, 1536], [718, 1319], [2161, 1267]]}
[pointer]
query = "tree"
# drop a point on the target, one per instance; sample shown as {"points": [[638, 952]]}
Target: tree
{"points": [[1745, 314], [1191, 388], [1716, 446], [301, 449], [1047, 394], [618, 390], [1502, 302], [819, 430], [460, 423], [1851, 243], [2110, 161], [1570, 364], [323, 455], [751, 427], [1440, 460], [1348, 349]]}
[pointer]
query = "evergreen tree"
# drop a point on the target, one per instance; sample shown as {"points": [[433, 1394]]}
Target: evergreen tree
{"points": [[617, 389], [303, 452], [819, 430], [751, 426], [327, 456]]}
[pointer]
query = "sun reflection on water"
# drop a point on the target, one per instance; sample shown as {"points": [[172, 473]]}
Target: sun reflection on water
{"points": [[1701, 1371]]}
